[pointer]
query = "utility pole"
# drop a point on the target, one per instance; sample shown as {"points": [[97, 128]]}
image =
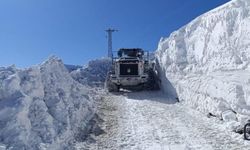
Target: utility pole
{"points": [[110, 31]]}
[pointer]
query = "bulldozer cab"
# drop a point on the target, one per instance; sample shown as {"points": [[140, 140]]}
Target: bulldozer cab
{"points": [[130, 53]]}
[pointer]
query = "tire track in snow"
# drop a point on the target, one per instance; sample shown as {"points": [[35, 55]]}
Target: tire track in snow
{"points": [[149, 121]]}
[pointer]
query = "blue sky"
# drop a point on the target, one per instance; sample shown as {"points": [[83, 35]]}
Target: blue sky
{"points": [[31, 30]]}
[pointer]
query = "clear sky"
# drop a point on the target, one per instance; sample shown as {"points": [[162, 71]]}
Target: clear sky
{"points": [[31, 30]]}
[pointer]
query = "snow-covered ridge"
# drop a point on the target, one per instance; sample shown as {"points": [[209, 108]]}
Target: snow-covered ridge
{"points": [[207, 61], [42, 107]]}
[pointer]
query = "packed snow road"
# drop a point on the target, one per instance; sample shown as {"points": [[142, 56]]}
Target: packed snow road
{"points": [[150, 121]]}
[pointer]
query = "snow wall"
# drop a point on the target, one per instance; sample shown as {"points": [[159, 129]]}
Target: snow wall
{"points": [[42, 107], [207, 61]]}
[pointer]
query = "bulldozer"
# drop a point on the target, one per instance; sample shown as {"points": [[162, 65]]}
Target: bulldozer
{"points": [[131, 69]]}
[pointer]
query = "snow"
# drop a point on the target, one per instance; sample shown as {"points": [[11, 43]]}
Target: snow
{"points": [[71, 68], [94, 74], [2, 147], [228, 116], [205, 65], [42, 107], [206, 62], [152, 120]]}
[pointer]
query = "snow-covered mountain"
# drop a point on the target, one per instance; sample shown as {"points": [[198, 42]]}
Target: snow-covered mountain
{"points": [[72, 67], [94, 74], [42, 107], [207, 61]]}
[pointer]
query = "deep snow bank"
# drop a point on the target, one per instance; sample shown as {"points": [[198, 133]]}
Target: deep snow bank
{"points": [[42, 107], [207, 61], [94, 73]]}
